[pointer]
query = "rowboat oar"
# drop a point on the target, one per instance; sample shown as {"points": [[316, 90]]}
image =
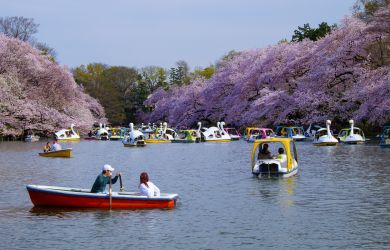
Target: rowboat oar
{"points": [[110, 193], [121, 184]]}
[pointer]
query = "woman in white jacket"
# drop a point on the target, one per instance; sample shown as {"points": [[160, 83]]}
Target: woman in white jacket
{"points": [[147, 187]]}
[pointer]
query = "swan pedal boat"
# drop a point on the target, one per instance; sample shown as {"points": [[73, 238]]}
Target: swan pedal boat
{"points": [[67, 135], [134, 138], [161, 135], [67, 153], [352, 135], [216, 134], [51, 196], [324, 137], [31, 138]]}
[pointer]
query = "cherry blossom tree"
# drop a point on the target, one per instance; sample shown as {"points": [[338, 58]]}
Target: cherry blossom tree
{"points": [[334, 78], [38, 94]]}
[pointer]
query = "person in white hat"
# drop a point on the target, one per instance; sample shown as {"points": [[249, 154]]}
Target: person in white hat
{"points": [[99, 186]]}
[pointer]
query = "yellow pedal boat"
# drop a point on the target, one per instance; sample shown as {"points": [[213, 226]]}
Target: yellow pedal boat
{"points": [[274, 157]]}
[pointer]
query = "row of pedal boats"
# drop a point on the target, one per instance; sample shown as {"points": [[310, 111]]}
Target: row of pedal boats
{"points": [[319, 137], [150, 134]]}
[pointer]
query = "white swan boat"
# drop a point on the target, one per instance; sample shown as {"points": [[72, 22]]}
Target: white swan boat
{"points": [[324, 137], [102, 133], [216, 134], [32, 138], [161, 135], [134, 138], [352, 135], [66, 135]]}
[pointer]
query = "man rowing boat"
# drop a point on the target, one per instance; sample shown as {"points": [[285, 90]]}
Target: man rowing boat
{"points": [[99, 186]]}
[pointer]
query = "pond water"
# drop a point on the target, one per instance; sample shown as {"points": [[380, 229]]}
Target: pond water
{"points": [[339, 199]]}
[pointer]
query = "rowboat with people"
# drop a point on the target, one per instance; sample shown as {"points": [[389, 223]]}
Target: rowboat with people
{"points": [[274, 157], [66, 153], [65, 197]]}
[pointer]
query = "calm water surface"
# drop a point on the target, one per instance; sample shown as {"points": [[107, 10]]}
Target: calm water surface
{"points": [[339, 199]]}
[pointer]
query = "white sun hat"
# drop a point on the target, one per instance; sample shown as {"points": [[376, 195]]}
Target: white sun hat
{"points": [[108, 167]]}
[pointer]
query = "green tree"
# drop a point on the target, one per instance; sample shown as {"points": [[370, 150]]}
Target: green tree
{"points": [[306, 32], [174, 76], [153, 77], [115, 88], [180, 75], [206, 72], [120, 84]]}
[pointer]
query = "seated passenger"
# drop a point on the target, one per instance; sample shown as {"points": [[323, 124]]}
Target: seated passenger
{"points": [[282, 157], [56, 146], [146, 187], [47, 147], [264, 153]]}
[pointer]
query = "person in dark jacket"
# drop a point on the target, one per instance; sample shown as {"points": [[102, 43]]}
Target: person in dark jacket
{"points": [[99, 186], [264, 153]]}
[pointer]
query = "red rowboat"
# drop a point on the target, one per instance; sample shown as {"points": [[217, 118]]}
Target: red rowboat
{"points": [[51, 196]]}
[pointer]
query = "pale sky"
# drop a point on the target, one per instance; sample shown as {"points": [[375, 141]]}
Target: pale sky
{"points": [[138, 33]]}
